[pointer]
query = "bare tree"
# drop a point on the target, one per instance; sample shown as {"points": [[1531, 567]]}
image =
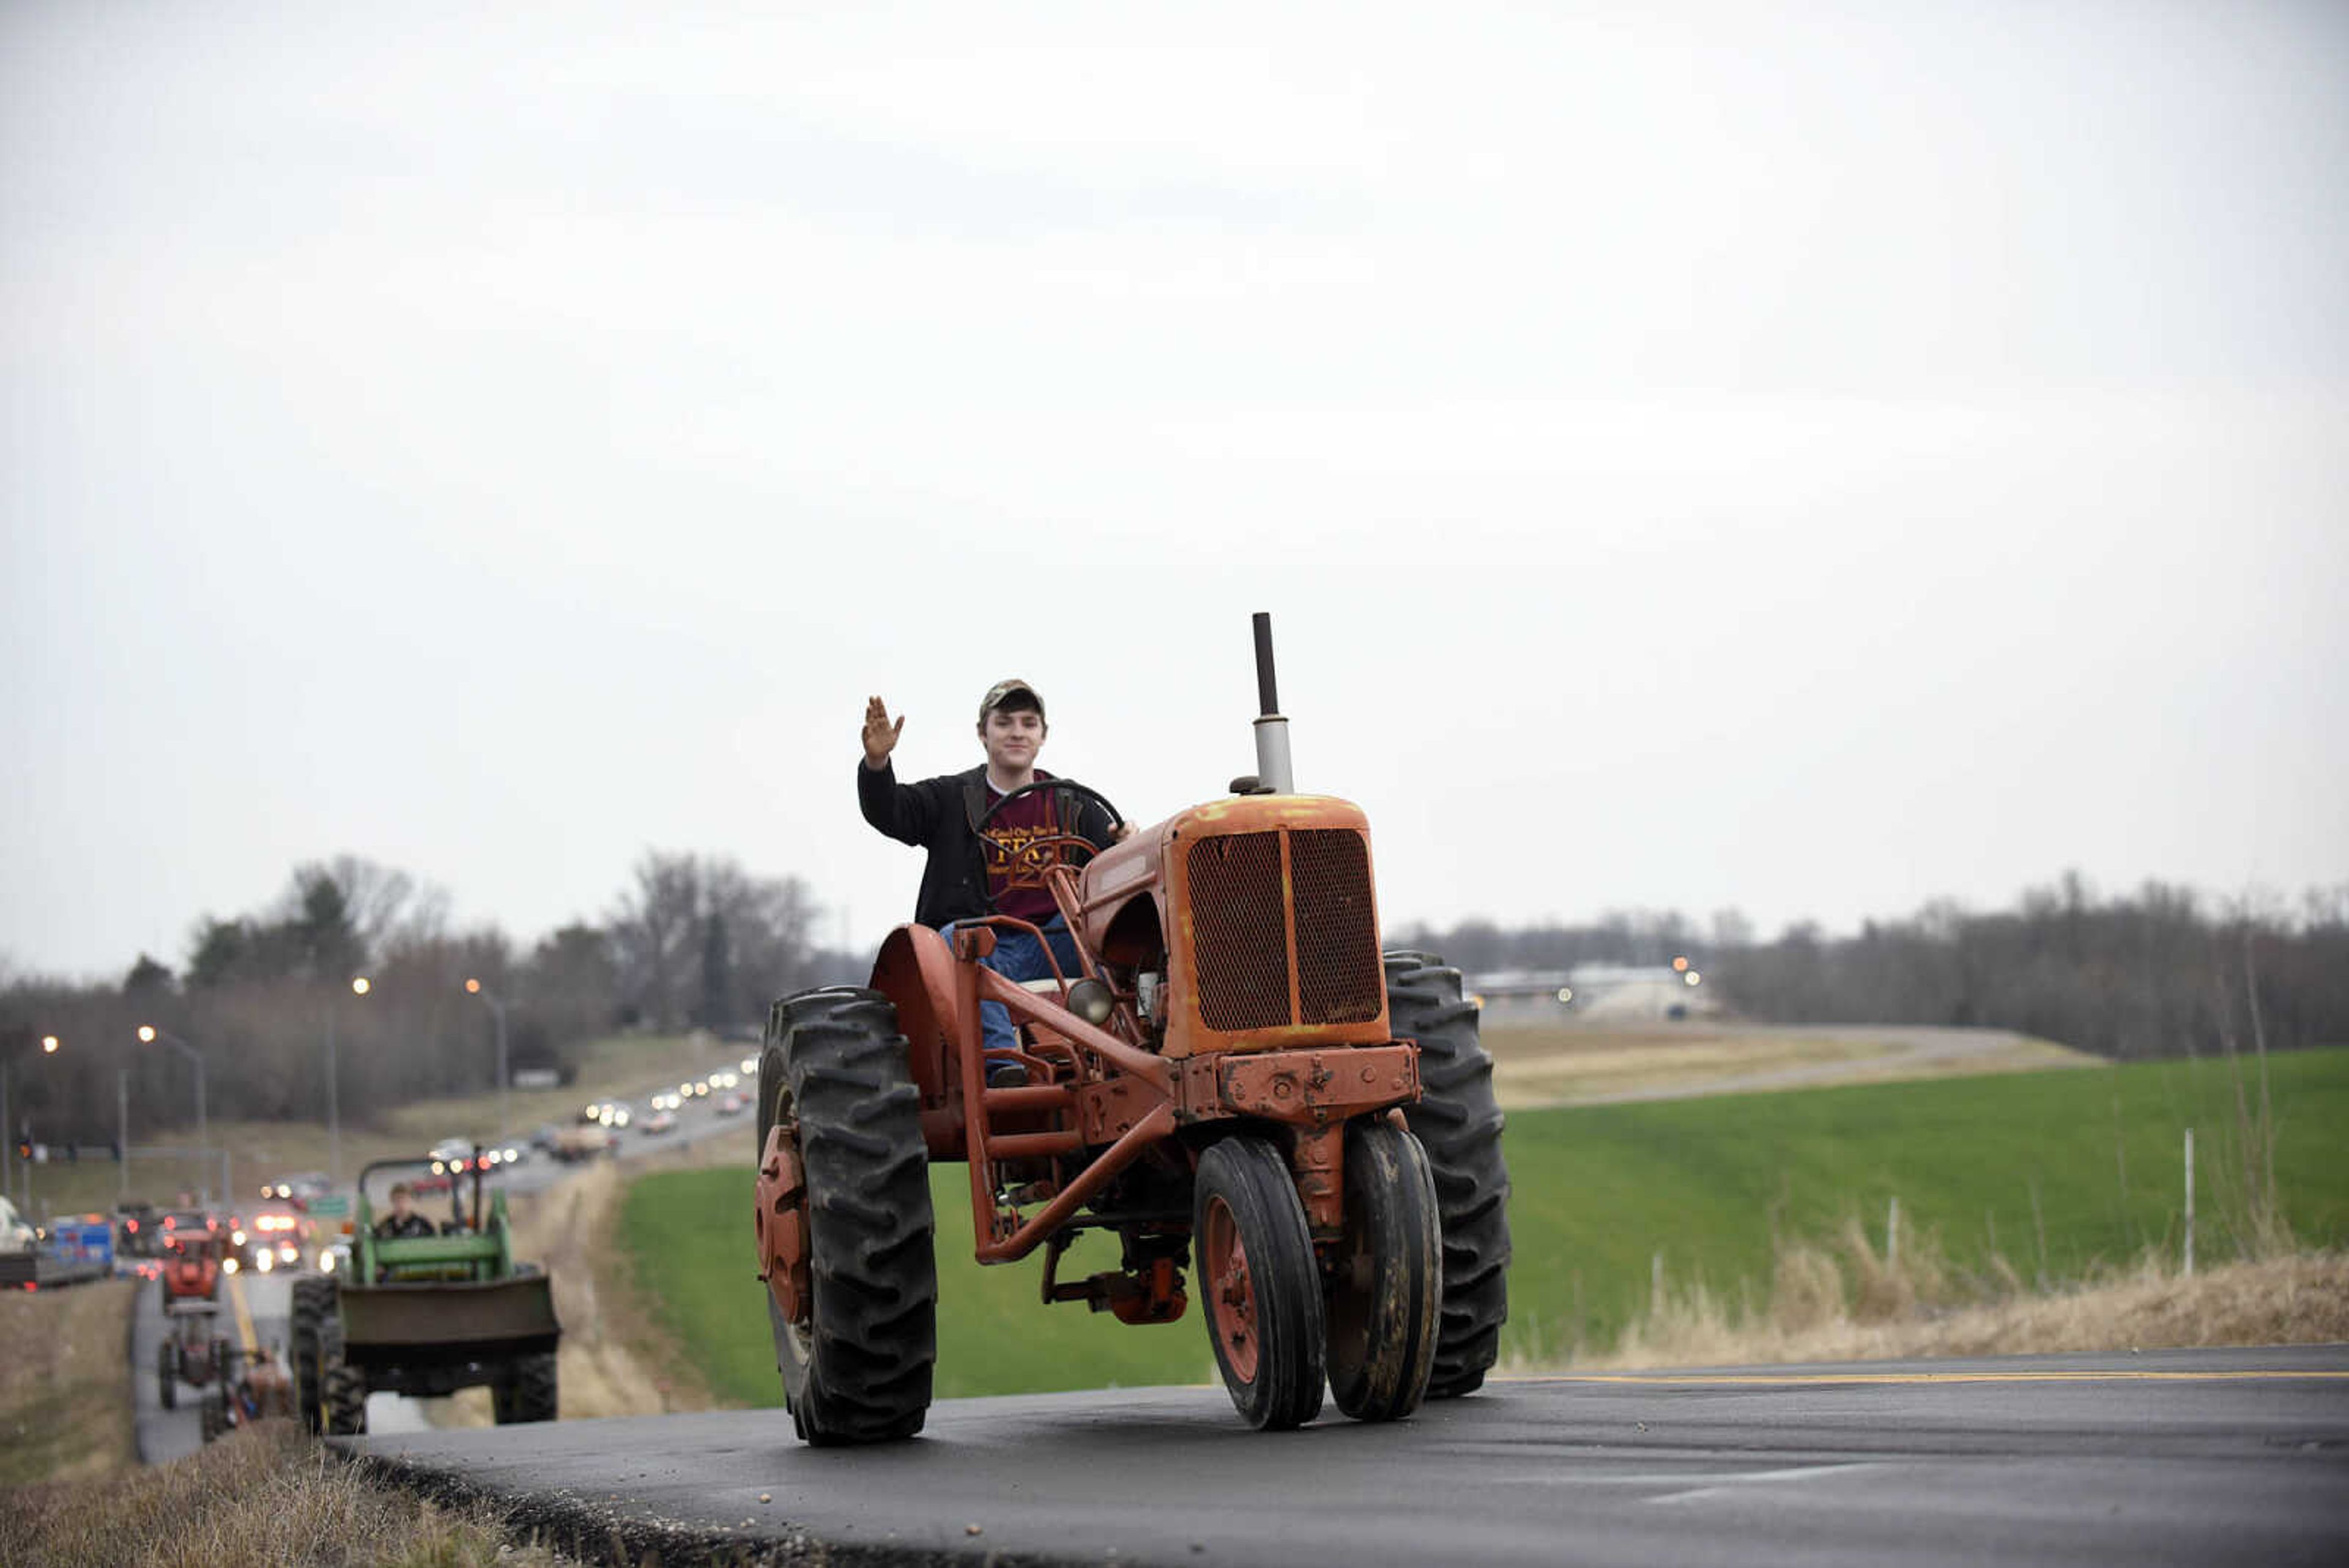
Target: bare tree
{"points": [[653, 931]]}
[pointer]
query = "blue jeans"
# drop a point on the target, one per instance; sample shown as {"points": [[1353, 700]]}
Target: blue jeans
{"points": [[1018, 956]]}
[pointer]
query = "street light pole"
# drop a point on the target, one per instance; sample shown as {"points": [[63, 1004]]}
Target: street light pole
{"points": [[8, 1136], [122, 1129], [147, 1035], [359, 986], [497, 1009]]}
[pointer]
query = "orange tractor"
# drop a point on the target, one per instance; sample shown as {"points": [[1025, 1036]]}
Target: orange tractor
{"points": [[1234, 1082]]}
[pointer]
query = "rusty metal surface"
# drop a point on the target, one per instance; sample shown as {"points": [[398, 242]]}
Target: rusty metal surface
{"points": [[1317, 1160], [1107, 1111], [782, 1228], [1235, 900], [1004, 1243], [916, 972], [1114, 879], [1339, 979], [1234, 908], [1314, 1088]]}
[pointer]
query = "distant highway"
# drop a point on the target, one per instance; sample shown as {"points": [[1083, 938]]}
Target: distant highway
{"points": [[2185, 1457]]}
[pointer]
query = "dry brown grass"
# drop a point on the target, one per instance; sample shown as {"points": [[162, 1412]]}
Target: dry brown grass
{"points": [[65, 1383], [1846, 1303], [615, 1358], [1538, 1065], [264, 1495]]}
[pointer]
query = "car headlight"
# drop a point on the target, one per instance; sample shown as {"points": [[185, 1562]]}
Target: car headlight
{"points": [[266, 1261], [326, 1262], [230, 1265]]}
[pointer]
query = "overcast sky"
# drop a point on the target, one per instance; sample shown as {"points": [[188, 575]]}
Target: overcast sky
{"points": [[1811, 459]]}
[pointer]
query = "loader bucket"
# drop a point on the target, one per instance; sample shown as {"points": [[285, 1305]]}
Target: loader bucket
{"points": [[412, 1325]]}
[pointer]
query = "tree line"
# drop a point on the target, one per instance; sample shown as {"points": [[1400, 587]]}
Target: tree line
{"points": [[693, 940], [2159, 972], [696, 941]]}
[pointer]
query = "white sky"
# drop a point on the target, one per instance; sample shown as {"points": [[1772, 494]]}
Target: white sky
{"points": [[1808, 459]]}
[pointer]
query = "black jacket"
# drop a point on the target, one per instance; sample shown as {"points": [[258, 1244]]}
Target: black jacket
{"points": [[390, 1228], [936, 815]]}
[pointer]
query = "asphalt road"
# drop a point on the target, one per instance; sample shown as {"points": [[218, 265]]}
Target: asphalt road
{"points": [[2186, 1457]]}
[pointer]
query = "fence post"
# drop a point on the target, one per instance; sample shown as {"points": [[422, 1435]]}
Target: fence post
{"points": [[1656, 1283], [1892, 1234], [2189, 1203]]}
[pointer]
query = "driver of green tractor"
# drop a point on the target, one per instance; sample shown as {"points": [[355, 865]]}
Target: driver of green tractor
{"points": [[403, 1220], [968, 875]]}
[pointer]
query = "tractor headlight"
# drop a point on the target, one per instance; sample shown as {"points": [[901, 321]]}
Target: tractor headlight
{"points": [[326, 1262], [229, 1266], [236, 1238], [1091, 1001], [266, 1261]]}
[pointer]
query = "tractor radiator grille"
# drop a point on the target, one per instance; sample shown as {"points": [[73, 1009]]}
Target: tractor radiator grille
{"points": [[1237, 931], [1339, 979], [1239, 934]]}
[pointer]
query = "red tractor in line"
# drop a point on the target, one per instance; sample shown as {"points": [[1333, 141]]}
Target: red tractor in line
{"points": [[1235, 1083], [192, 1351]]}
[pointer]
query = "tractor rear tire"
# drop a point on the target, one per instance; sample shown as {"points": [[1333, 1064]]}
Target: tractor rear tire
{"points": [[526, 1392], [1258, 1283], [1386, 1282], [1458, 1122], [213, 1420], [858, 1369], [314, 1303], [168, 1368]]}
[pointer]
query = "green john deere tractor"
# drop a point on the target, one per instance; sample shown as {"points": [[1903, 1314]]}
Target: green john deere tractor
{"points": [[426, 1315]]}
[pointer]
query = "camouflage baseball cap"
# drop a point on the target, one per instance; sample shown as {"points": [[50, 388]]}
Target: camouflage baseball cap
{"points": [[1003, 689]]}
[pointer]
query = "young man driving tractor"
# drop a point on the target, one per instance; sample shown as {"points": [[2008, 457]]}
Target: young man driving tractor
{"points": [[970, 872], [403, 1220], [1228, 1078]]}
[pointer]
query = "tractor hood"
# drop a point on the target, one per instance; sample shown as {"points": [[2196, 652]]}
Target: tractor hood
{"points": [[1264, 909]]}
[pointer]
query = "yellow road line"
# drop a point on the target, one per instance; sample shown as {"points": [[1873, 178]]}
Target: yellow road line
{"points": [[1821, 1379], [243, 1316]]}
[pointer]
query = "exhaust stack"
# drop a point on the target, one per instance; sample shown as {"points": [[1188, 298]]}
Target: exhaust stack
{"points": [[1272, 769]]}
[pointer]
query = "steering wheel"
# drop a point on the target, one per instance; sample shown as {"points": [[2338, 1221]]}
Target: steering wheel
{"points": [[1061, 845]]}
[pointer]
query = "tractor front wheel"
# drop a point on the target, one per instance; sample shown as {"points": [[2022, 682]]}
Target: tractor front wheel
{"points": [[1385, 1278], [844, 1219], [1458, 1122], [1262, 1289]]}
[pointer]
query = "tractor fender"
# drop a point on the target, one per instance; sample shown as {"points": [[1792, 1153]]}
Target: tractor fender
{"points": [[915, 970]]}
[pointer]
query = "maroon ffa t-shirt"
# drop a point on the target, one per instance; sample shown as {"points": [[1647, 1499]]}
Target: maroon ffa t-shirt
{"points": [[1016, 881]]}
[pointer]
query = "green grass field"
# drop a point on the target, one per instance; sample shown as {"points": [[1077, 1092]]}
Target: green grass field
{"points": [[1712, 1184]]}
